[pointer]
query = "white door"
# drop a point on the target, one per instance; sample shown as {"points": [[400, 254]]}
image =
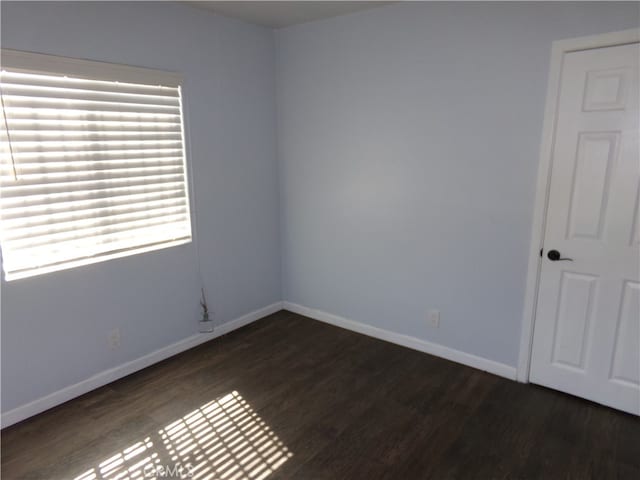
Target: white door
{"points": [[587, 328]]}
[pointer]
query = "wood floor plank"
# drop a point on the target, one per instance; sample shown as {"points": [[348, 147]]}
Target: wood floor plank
{"points": [[290, 397]]}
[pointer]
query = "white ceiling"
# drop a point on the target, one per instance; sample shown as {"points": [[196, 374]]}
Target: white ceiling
{"points": [[283, 14]]}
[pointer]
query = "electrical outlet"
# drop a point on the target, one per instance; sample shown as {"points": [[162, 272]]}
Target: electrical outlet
{"points": [[114, 339], [433, 318]]}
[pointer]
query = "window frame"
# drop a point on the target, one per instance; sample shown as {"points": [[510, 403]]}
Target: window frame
{"points": [[46, 64]]}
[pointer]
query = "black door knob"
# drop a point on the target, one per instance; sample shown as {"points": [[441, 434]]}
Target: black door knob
{"points": [[554, 256]]}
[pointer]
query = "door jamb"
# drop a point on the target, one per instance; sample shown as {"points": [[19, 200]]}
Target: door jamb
{"points": [[558, 50]]}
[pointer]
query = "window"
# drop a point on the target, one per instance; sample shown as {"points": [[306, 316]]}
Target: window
{"points": [[92, 162]]}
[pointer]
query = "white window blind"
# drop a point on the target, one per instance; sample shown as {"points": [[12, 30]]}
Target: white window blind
{"points": [[92, 163]]}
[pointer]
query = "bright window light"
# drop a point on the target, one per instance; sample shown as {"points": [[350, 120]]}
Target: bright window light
{"points": [[92, 163]]}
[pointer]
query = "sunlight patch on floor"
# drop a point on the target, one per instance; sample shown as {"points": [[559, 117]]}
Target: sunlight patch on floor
{"points": [[224, 439]]}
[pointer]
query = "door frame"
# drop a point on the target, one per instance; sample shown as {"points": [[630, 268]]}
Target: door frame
{"points": [[558, 51]]}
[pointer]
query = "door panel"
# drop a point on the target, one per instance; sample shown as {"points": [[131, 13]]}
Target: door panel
{"points": [[575, 313], [626, 364], [606, 89], [587, 329], [596, 153]]}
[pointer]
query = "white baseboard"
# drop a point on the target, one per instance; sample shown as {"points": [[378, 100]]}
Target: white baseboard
{"points": [[56, 398], [414, 343]]}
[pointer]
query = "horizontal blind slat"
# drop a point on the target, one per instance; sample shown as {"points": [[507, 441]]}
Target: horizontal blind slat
{"points": [[53, 238], [95, 135], [43, 80], [91, 105], [24, 126], [28, 179], [63, 93], [76, 165], [47, 233], [30, 146], [97, 154], [12, 206], [85, 114], [93, 211], [61, 187]]}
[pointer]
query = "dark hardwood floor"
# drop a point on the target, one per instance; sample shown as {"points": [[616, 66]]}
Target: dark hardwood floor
{"points": [[289, 397]]}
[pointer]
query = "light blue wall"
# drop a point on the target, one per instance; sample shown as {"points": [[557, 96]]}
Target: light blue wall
{"points": [[407, 142], [55, 327], [408, 149]]}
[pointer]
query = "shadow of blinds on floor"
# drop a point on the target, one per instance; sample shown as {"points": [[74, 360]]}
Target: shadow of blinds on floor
{"points": [[223, 439]]}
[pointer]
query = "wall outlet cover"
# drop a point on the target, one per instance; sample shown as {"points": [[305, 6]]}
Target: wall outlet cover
{"points": [[205, 326], [433, 318], [114, 339]]}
